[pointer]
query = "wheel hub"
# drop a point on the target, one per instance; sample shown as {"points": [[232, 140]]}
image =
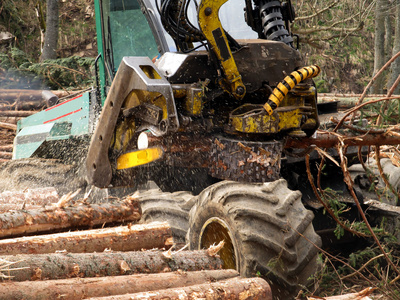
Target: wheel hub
{"points": [[213, 232]]}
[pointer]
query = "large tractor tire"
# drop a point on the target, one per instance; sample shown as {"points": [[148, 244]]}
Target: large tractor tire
{"points": [[167, 207], [33, 173], [261, 226]]}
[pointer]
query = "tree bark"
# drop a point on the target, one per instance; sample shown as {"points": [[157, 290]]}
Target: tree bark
{"points": [[55, 218], [8, 126], [80, 288], [62, 266], [38, 196], [330, 140], [6, 207], [388, 31], [7, 148], [123, 238], [379, 57], [16, 113], [51, 34], [234, 288], [7, 155], [395, 67], [11, 95]]}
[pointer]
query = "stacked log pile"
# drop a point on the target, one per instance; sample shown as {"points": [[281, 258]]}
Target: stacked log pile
{"points": [[109, 257]]}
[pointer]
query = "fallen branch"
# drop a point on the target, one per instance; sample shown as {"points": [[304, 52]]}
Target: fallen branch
{"points": [[234, 288], [68, 265], [107, 286], [363, 295], [122, 238], [325, 139]]}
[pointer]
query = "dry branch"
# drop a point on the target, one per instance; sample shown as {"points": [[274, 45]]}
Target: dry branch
{"points": [[123, 238], [363, 295], [234, 288], [79, 288], [62, 266], [55, 218]]}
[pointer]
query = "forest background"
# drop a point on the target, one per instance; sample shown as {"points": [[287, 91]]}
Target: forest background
{"points": [[350, 40]]}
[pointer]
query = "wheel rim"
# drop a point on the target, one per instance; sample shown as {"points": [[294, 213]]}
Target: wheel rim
{"points": [[213, 232]]}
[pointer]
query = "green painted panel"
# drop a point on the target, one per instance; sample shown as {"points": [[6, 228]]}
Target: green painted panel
{"points": [[63, 121], [74, 111]]}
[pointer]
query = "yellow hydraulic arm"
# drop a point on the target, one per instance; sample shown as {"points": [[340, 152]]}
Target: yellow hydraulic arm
{"points": [[211, 27]]}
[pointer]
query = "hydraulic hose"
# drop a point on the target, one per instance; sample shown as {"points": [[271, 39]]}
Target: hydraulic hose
{"points": [[289, 82], [273, 25]]}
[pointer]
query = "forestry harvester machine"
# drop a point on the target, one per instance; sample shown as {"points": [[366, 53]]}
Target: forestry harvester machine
{"points": [[197, 97]]}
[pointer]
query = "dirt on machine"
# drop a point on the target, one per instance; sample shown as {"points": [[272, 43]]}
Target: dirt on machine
{"points": [[205, 111]]}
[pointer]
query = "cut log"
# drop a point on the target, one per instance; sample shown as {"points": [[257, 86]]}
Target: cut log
{"points": [[81, 216], [8, 126], [22, 106], [234, 288], [38, 196], [4, 154], [80, 288], [62, 266], [6, 207], [7, 148], [28, 95], [123, 238], [16, 113]]}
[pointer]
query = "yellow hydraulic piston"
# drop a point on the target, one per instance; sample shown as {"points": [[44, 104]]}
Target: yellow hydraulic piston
{"points": [[211, 27], [289, 82]]}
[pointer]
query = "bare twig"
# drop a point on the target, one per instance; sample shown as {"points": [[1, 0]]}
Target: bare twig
{"points": [[327, 208], [349, 183]]}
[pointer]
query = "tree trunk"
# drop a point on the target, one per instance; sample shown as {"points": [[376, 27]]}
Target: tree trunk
{"points": [[80, 288], [379, 57], [62, 266], [234, 288], [51, 34], [395, 67], [388, 32], [55, 218], [123, 238]]}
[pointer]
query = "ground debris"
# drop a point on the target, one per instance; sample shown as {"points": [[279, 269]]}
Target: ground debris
{"points": [[362, 295]]}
